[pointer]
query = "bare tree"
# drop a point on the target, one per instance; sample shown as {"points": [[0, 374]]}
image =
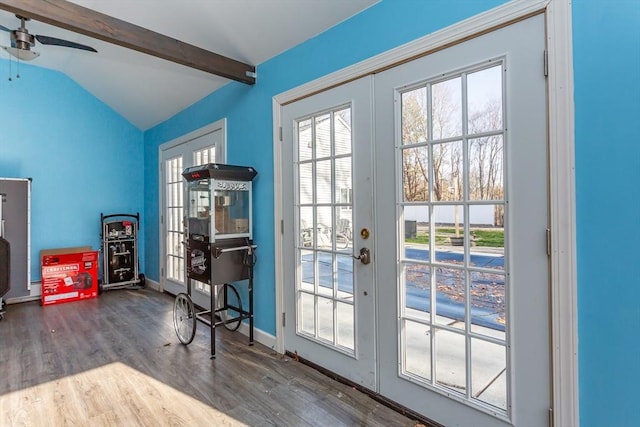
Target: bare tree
{"points": [[414, 159], [486, 155]]}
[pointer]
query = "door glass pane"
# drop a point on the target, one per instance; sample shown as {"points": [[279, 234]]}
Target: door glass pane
{"points": [[487, 236], [450, 297], [344, 275], [307, 230], [324, 227], [307, 267], [417, 233], [343, 181], [450, 234], [204, 156], [417, 297], [414, 116], [325, 274], [323, 135], [488, 304], [305, 147], [451, 360], [488, 373], [485, 168], [325, 319], [484, 95], [325, 212], [344, 234], [446, 114], [415, 174], [342, 126], [306, 313], [345, 325], [323, 181], [305, 183], [417, 355], [448, 171]]}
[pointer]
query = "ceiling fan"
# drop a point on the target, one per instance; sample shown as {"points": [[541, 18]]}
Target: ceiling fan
{"points": [[22, 42]]}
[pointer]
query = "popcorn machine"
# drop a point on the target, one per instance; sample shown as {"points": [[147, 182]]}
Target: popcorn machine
{"points": [[219, 248]]}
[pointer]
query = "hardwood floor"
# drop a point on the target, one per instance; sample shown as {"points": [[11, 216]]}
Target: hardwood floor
{"points": [[116, 361]]}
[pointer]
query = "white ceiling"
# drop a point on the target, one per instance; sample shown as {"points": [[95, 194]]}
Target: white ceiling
{"points": [[147, 90]]}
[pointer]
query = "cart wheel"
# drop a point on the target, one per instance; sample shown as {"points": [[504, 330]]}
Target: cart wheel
{"points": [[142, 281], [184, 318], [234, 308]]}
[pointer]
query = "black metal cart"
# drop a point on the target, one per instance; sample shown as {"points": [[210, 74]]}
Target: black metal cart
{"points": [[219, 250], [120, 268]]}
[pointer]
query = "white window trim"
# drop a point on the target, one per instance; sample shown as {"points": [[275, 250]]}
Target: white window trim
{"points": [[564, 310], [221, 157], [212, 127]]}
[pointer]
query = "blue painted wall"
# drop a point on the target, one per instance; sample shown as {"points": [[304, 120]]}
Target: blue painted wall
{"points": [[84, 158], [249, 114], [606, 40]]}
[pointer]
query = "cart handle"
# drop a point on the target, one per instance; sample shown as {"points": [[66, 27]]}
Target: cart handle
{"points": [[219, 251]]}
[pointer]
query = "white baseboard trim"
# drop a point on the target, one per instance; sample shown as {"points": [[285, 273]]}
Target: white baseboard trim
{"points": [[259, 335], [34, 294], [18, 300], [152, 284]]}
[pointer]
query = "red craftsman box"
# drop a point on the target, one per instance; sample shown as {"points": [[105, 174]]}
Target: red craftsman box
{"points": [[69, 274]]}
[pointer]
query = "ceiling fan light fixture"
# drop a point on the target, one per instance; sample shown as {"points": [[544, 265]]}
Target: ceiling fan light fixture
{"points": [[21, 54]]}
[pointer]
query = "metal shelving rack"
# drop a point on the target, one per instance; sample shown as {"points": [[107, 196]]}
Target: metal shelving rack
{"points": [[120, 252]]}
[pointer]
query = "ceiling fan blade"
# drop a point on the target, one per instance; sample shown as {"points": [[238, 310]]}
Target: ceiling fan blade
{"points": [[64, 43], [5, 28]]}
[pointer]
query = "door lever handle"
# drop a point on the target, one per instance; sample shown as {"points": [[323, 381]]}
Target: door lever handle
{"points": [[364, 257]]}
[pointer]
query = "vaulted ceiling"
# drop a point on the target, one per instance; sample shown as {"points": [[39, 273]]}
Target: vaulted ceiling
{"points": [[147, 90]]}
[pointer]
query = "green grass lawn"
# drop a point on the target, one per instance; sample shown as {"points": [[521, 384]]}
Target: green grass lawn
{"points": [[482, 237]]}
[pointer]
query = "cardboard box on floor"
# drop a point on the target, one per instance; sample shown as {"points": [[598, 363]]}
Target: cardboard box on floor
{"points": [[68, 274]]}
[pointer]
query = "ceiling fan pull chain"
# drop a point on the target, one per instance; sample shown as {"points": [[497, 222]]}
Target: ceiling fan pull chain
{"points": [[10, 69]]}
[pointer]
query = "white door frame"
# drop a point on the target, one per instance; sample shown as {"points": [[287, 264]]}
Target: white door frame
{"points": [[221, 151], [563, 280]]}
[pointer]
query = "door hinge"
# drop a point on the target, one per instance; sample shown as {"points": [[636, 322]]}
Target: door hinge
{"points": [[161, 219], [280, 132], [546, 63], [284, 319], [282, 226], [551, 423], [162, 272], [548, 242]]}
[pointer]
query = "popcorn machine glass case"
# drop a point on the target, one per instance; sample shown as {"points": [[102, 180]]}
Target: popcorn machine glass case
{"points": [[219, 201]]}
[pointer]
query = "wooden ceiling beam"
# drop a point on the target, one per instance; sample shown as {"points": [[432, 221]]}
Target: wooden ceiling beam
{"points": [[79, 19]]}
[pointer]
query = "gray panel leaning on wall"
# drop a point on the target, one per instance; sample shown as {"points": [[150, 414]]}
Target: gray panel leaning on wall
{"points": [[15, 195]]}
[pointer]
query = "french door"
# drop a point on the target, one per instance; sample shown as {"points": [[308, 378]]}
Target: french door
{"points": [[332, 298], [205, 148], [445, 188]]}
